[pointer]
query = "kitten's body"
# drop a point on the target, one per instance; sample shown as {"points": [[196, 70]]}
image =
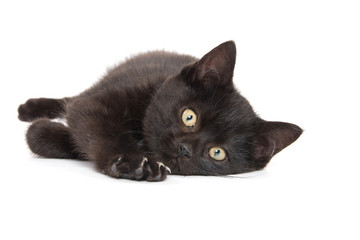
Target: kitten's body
{"points": [[130, 124]]}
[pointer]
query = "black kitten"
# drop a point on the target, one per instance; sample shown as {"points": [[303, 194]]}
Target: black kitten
{"points": [[156, 113]]}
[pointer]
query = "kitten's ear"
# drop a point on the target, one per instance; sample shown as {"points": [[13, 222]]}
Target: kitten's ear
{"points": [[271, 138], [216, 68]]}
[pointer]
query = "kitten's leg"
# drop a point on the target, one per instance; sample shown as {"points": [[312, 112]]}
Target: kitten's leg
{"points": [[105, 140], [106, 129], [41, 108], [50, 139]]}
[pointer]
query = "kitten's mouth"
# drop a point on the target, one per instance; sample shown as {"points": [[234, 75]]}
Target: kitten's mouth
{"points": [[180, 164], [177, 164]]}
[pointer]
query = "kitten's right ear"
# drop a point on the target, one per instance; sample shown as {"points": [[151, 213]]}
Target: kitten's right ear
{"points": [[271, 138], [215, 69]]}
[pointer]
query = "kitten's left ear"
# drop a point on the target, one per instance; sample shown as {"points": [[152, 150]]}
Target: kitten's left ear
{"points": [[215, 69], [271, 138]]}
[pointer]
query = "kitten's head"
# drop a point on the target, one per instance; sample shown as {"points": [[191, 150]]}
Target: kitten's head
{"points": [[197, 123]]}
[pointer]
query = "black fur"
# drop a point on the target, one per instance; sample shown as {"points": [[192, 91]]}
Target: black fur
{"points": [[130, 123]]}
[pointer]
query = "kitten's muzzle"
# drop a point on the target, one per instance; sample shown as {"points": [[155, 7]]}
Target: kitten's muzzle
{"points": [[184, 153]]}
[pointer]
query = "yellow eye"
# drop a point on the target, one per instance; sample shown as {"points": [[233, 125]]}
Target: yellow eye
{"points": [[217, 153], [189, 118]]}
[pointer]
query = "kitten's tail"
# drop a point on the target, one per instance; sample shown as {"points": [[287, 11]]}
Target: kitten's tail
{"points": [[35, 108]]}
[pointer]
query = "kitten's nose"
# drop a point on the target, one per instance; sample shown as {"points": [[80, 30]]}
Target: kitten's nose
{"points": [[184, 151]]}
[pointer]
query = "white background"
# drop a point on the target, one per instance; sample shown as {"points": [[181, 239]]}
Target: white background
{"points": [[297, 61]]}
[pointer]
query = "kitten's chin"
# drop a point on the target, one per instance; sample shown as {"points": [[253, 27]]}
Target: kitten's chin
{"points": [[181, 167], [175, 167]]}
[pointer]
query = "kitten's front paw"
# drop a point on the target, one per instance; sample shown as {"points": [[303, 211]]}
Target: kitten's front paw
{"points": [[135, 169]]}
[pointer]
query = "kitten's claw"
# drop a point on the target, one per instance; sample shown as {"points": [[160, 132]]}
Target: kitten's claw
{"points": [[163, 165], [140, 170], [160, 164], [113, 168], [162, 172]]}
